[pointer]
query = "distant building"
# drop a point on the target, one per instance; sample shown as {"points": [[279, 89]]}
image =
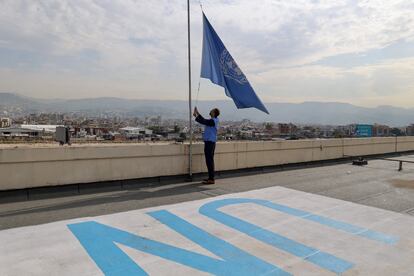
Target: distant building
{"points": [[45, 128], [363, 130], [28, 131], [113, 136], [153, 121], [19, 132], [135, 132], [344, 131], [410, 130], [5, 122], [381, 130], [246, 134], [173, 135], [258, 135], [286, 129]]}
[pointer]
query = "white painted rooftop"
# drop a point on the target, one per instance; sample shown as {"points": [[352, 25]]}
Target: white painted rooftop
{"points": [[47, 128], [271, 231]]}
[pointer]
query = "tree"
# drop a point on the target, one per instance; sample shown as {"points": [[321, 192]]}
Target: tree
{"points": [[396, 132], [268, 126]]}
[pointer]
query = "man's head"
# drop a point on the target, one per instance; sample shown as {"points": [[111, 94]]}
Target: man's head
{"points": [[215, 112]]}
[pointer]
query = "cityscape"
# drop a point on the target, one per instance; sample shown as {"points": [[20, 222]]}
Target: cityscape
{"points": [[115, 120], [207, 137], [42, 127]]}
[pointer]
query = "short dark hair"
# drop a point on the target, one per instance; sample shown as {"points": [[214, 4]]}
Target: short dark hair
{"points": [[216, 112]]}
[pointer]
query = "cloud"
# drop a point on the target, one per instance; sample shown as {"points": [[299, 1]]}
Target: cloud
{"points": [[297, 32], [387, 82], [290, 50]]}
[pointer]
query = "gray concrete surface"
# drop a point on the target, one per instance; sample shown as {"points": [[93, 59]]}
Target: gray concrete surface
{"points": [[379, 184]]}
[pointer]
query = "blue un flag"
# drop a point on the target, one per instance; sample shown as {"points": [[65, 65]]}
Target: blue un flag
{"points": [[219, 66]]}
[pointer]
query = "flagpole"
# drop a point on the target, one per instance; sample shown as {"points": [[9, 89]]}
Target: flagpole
{"points": [[190, 155]]}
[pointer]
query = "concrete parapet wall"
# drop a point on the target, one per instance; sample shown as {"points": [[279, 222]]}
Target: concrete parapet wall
{"points": [[28, 167]]}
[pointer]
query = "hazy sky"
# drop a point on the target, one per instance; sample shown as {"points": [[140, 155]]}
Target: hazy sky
{"points": [[361, 52]]}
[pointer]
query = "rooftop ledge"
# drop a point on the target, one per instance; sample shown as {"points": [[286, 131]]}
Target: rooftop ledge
{"points": [[41, 165]]}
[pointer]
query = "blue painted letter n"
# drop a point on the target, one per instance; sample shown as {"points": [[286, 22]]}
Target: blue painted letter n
{"points": [[99, 241]]}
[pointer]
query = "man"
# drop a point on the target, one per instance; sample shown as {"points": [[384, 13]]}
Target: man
{"points": [[210, 138]]}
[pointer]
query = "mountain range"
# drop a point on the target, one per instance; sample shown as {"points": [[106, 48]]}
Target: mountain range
{"points": [[325, 113]]}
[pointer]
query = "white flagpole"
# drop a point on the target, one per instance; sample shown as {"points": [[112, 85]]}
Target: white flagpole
{"points": [[190, 155]]}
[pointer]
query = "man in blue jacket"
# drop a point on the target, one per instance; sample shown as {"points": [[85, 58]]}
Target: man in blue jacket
{"points": [[210, 138]]}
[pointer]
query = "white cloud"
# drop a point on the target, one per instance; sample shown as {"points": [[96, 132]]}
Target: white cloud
{"points": [[387, 82], [311, 31], [139, 46], [67, 27]]}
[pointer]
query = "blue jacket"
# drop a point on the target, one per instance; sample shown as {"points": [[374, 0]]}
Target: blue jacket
{"points": [[210, 128]]}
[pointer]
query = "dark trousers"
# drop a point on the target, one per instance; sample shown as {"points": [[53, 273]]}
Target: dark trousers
{"points": [[209, 148]]}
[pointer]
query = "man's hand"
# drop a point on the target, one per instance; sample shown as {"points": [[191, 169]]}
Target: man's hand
{"points": [[195, 113]]}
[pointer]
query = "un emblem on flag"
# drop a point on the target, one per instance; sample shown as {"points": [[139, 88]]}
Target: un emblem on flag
{"points": [[230, 68]]}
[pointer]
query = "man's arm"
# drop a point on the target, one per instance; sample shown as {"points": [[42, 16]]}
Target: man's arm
{"points": [[208, 122]]}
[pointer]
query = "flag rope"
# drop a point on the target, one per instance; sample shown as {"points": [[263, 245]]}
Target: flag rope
{"points": [[198, 90], [199, 78]]}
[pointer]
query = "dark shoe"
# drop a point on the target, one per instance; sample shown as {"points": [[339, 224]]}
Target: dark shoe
{"points": [[208, 181]]}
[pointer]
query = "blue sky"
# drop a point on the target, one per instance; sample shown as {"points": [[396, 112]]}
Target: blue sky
{"points": [[360, 52]]}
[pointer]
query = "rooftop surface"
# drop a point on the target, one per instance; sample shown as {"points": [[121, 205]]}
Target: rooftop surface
{"points": [[327, 220]]}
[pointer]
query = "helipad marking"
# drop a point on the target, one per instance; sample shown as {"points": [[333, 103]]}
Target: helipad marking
{"points": [[99, 241], [313, 255], [172, 245], [210, 210]]}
